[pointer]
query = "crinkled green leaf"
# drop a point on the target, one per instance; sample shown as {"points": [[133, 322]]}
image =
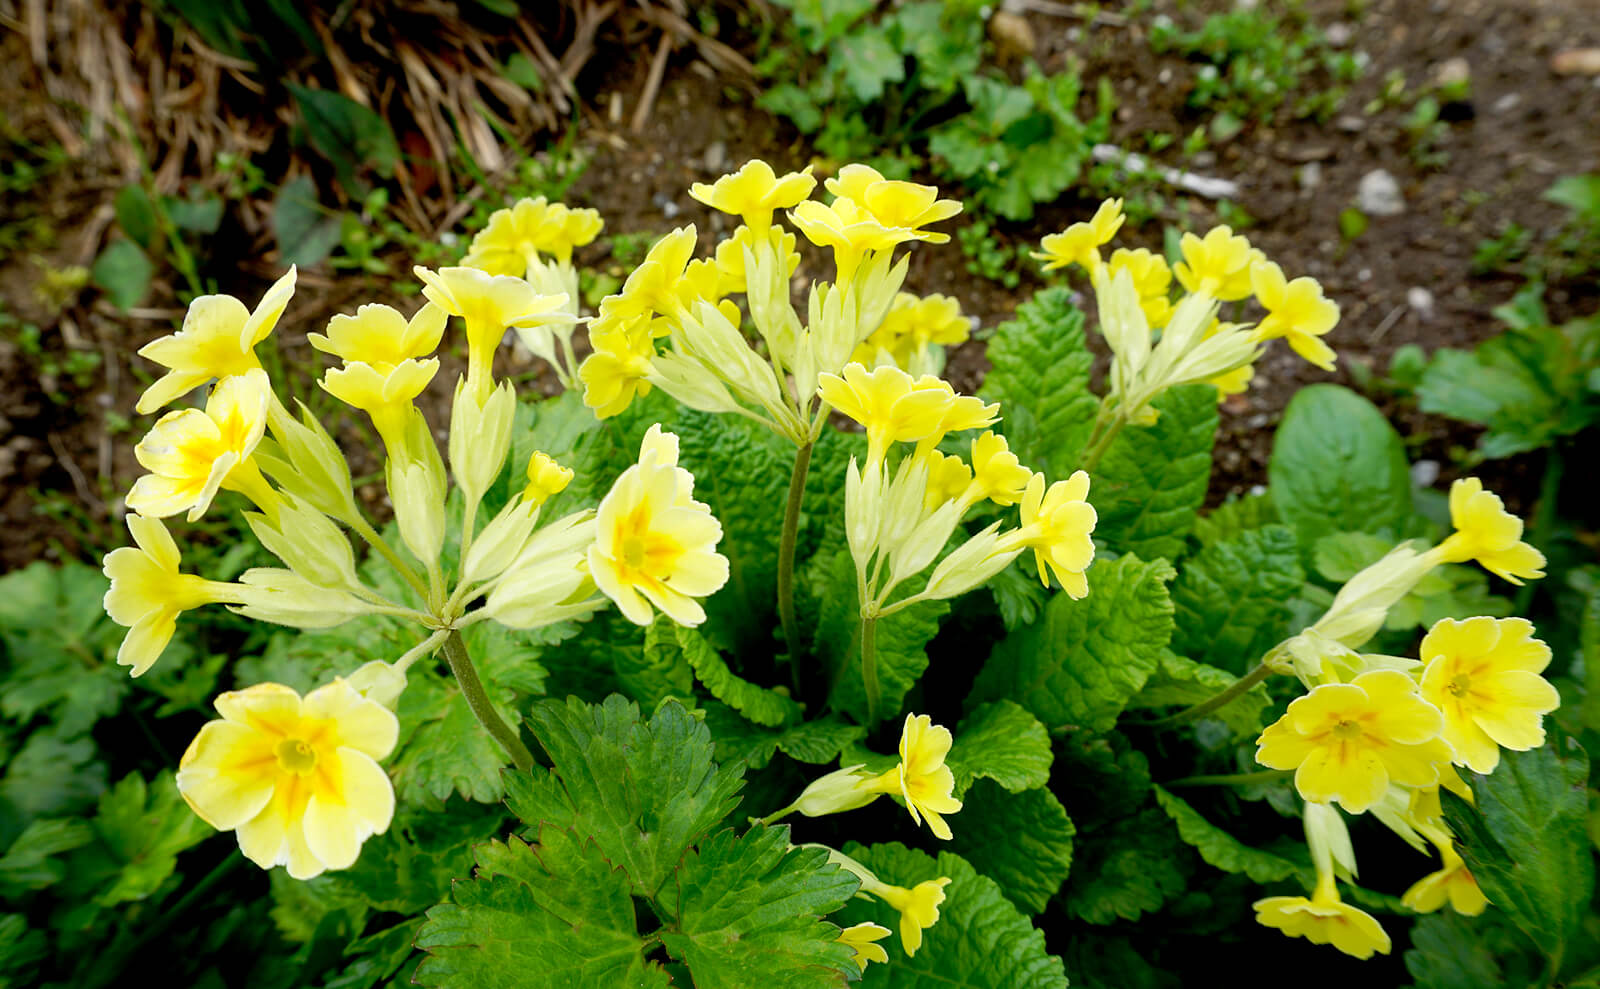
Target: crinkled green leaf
{"points": [[409, 867], [376, 958], [1039, 373], [645, 791], [1229, 598], [1221, 849], [1526, 843], [1181, 682], [139, 831], [750, 908], [1338, 466], [981, 940], [1449, 951], [1234, 516], [1002, 742], [33, 860], [654, 670], [1125, 869], [51, 776], [1023, 841], [867, 61], [554, 914], [1019, 595], [1152, 481], [20, 950], [1080, 663], [901, 642], [817, 741], [759, 704], [60, 649]]}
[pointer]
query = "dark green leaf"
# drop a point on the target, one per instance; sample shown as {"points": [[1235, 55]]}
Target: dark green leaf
{"points": [[306, 233], [123, 272], [348, 134], [1040, 376], [1229, 598], [1152, 481], [1338, 466], [900, 646], [136, 215], [1125, 870], [1181, 682], [1001, 742], [759, 704], [817, 741], [1223, 850], [1023, 841]]}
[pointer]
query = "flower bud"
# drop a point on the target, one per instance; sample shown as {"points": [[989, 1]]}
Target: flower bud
{"points": [[309, 543], [837, 792], [480, 436], [283, 597], [379, 681], [418, 508]]}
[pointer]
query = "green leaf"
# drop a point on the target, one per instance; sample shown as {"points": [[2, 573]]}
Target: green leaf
{"points": [[868, 62], [1338, 466], [656, 670], [901, 645], [555, 914], [136, 215], [306, 233], [752, 904], [1589, 649], [763, 706], [817, 741], [1450, 952], [644, 791], [200, 213], [981, 940], [1579, 193], [140, 830], [1040, 376], [1229, 598], [346, 133], [21, 950], [1023, 841], [1125, 870], [123, 272], [1077, 667], [32, 861], [1222, 850], [410, 867], [1181, 682], [1001, 742], [1152, 481], [1234, 516], [1525, 841], [52, 776]]}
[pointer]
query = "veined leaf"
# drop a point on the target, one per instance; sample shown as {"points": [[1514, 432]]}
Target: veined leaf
{"points": [[763, 706], [1223, 850], [1181, 682], [1229, 598], [1125, 869], [1040, 376], [1023, 841], [1002, 742], [1152, 481], [817, 741]]}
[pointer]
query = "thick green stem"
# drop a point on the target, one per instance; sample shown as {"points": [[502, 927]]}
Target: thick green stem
{"points": [[1233, 779], [791, 532], [367, 532], [1097, 449], [455, 653], [869, 667], [1223, 697]]}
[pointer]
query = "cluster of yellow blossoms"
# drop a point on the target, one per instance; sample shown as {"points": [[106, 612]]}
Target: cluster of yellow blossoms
{"points": [[297, 778], [1384, 734]]}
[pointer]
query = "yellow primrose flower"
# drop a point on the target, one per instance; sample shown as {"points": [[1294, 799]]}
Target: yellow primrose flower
{"points": [[921, 777], [1080, 243], [384, 395], [894, 204], [217, 340], [546, 479], [885, 400], [1483, 673], [918, 907], [911, 326], [489, 304], [297, 780], [1152, 280], [1058, 524], [1295, 310], [1453, 882], [1217, 265], [616, 372], [652, 287], [1348, 741], [847, 229], [147, 592], [654, 544], [949, 479], [1486, 532], [963, 412], [730, 257], [1325, 919], [380, 336], [514, 238], [754, 191], [191, 454], [860, 938], [996, 472]]}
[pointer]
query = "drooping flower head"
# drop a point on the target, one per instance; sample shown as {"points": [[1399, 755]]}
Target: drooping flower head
{"points": [[296, 779], [1152, 280], [1325, 921], [1058, 524], [380, 336], [1217, 265], [1452, 884], [860, 938], [754, 191], [888, 403], [1080, 243], [148, 592], [918, 907], [489, 305], [192, 454], [894, 204], [652, 287], [997, 474], [1296, 310], [618, 370], [217, 340], [1483, 674], [1347, 742], [654, 544], [1486, 532], [921, 777], [847, 229]]}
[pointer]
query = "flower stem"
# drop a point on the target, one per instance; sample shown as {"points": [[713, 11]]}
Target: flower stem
{"points": [[869, 667], [1233, 779], [791, 532], [1097, 449], [367, 532], [455, 653], [1222, 697]]}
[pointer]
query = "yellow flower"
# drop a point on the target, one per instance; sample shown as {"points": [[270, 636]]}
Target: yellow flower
{"points": [[996, 472], [902, 205], [860, 938], [1080, 243], [754, 191], [616, 372], [949, 479], [730, 256], [1348, 741], [1233, 382], [1295, 310], [191, 454], [297, 780], [911, 326], [514, 238], [147, 592], [1218, 265], [380, 336], [1486, 532], [885, 400], [1152, 280], [654, 544], [384, 392], [652, 287], [848, 230], [921, 777], [1452, 882], [1483, 673], [1058, 524], [489, 304], [918, 907], [546, 479], [1325, 919], [217, 340]]}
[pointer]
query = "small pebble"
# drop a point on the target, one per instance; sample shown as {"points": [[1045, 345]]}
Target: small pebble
{"points": [[1420, 300], [1379, 194], [1424, 473]]}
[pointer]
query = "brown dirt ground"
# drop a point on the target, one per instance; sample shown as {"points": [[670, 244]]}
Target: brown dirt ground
{"points": [[1525, 127]]}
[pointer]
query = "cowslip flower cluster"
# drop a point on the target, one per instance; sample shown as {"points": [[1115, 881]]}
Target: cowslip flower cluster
{"points": [[1384, 734], [297, 779], [913, 334], [1133, 292]]}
